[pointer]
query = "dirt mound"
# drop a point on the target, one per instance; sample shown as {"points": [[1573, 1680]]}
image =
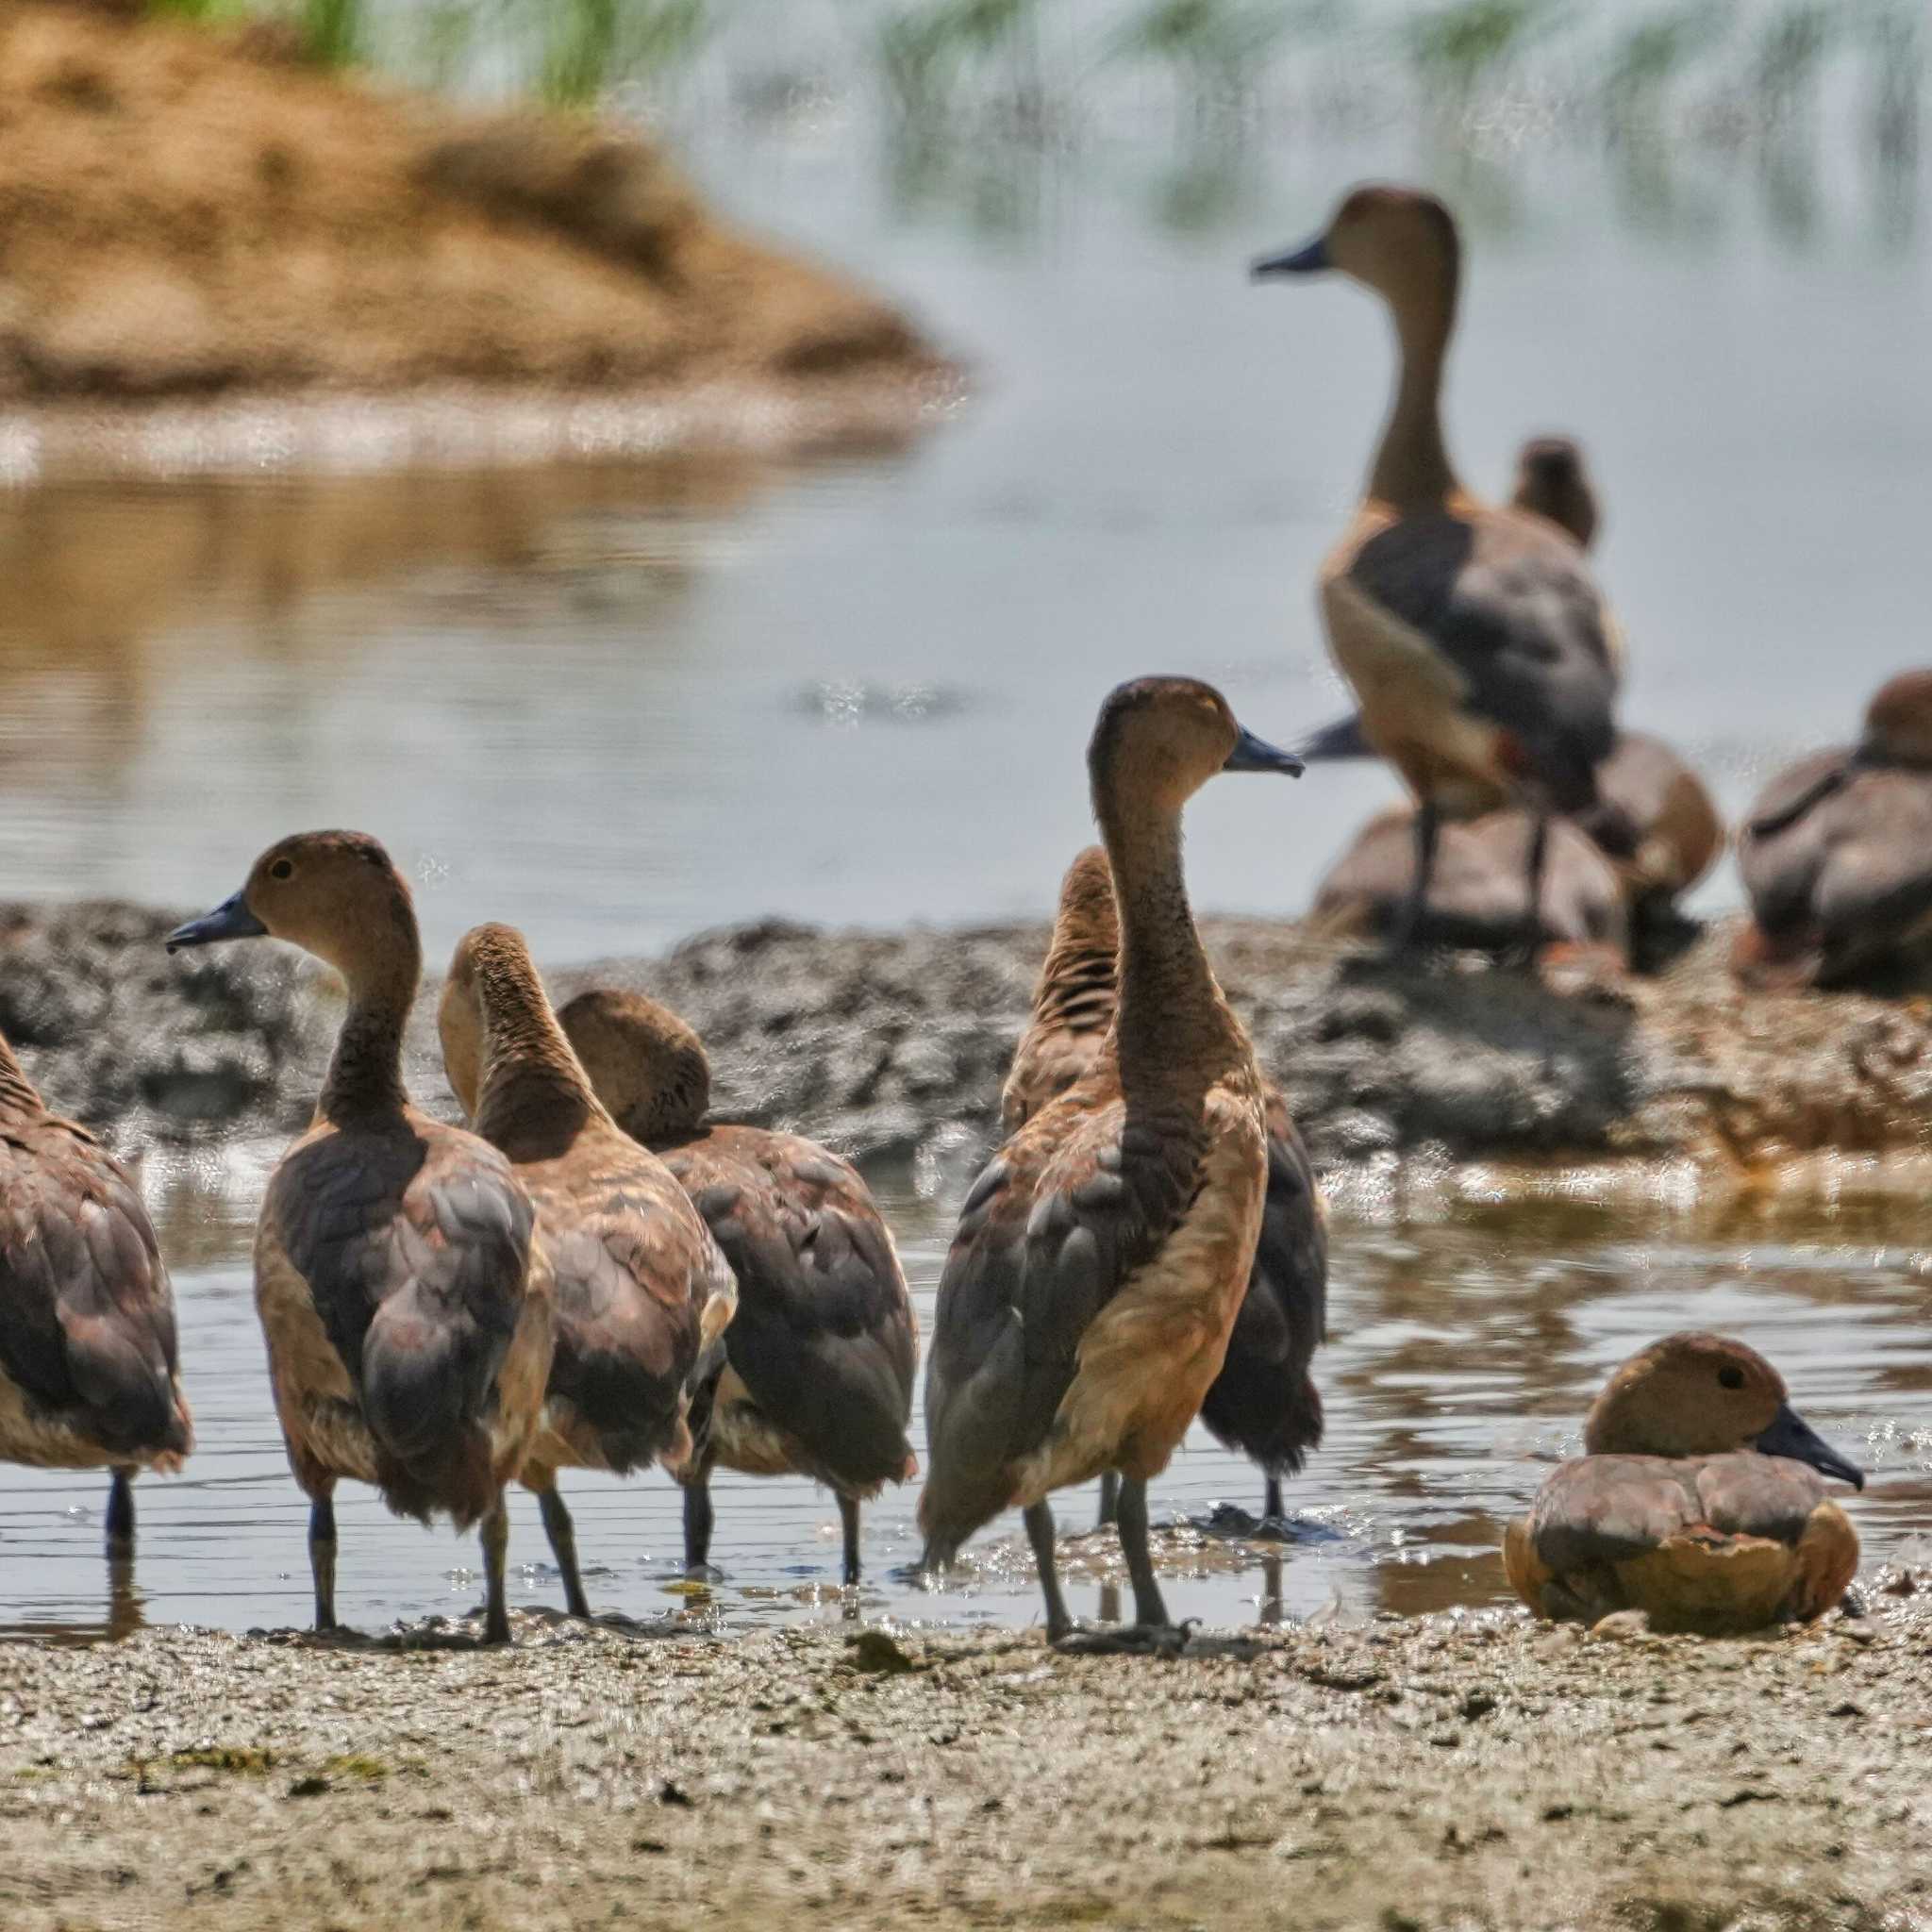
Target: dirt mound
{"points": [[185, 211]]}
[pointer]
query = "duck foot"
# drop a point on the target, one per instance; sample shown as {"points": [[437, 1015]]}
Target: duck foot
{"points": [[1128, 1640]]}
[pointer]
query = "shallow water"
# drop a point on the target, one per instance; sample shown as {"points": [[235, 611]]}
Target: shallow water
{"points": [[1463, 1357]]}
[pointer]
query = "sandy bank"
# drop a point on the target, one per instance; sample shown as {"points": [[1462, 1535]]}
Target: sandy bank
{"points": [[1397, 1774], [188, 213], [1416, 1085]]}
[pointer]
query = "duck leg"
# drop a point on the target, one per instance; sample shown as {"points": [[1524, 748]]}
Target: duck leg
{"points": [[848, 1521], [1109, 1499], [1272, 1511], [321, 1559], [1524, 950], [1409, 921], [562, 1533], [495, 1538], [1039, 1520], [698, 1518], [1150, 1612], [121, 1513]]}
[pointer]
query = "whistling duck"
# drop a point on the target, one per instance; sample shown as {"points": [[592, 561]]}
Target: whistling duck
{"points": [[1264, 1404], [1481, 653], [1693, 1501], [88, 1375], [642, 1291], [1102, 1257], [818, 1364], [1475, 896], [408, 1329], [1837, 855], [1654, 816]]}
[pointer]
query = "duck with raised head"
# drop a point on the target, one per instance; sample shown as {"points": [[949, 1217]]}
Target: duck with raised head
{"points": [[1102, 1256], [1699, 1499], [817, 1368], [1483, 657], [642, 1292], [1837, 856], [90, 1377], [1653, 818], [1264, 1404], [406, 1313]]}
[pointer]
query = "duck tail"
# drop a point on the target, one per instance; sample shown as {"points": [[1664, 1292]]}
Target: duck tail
{"points": [[424, 1388]]}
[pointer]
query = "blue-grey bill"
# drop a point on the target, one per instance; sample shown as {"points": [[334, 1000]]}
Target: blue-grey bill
{"points": [[1252, 754], [230, 919], [1792, 1436], [1310, 259]]}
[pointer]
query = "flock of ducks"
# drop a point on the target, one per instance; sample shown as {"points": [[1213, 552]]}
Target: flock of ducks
{"points": [[590, 1277]]}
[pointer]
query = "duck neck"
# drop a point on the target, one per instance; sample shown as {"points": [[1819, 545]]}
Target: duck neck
{"points": [[1077, 982], [1171, 1026], [534, 1099], [1412, 469], [18, 1094], [365, 1079]]}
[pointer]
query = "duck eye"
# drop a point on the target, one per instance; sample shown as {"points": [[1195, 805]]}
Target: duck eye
{"points": [[1731, 1375], [282, 869]]}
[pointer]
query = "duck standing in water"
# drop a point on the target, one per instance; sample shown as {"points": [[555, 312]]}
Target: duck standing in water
{"points": [[1101, 1258], [1698, 1500], [1264, 1404], [642, 1292], [816, 1373], [1482, 656], [1837, 856], [1653, 818], [89, 1374], [408, 1331]]}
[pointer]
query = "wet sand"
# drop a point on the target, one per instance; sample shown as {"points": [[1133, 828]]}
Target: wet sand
{"points": [[1397, 1774]]}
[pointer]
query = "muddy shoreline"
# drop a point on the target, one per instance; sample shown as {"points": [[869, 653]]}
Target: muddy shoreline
{"points": [[1471, 1772], [1417, 1085]]}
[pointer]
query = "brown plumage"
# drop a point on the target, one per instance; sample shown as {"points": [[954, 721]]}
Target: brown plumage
{"points": [[1481, 653], [1837, 856], [1102, 1257], [1698, 1501], [1653, 818], [1264, 1404], [408, 1331], [1476, 888], [642, 1292], [816, 1377], [89, 1374]]}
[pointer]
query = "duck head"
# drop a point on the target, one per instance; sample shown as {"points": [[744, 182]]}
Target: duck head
{"points": [[647, 1067], [335, 894], [1696, 1394], [1898, 722], [1158, 740], [1553, 481], [1400, 241]]}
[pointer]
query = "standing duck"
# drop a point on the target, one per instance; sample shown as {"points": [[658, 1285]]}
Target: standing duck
{"points": [[816, 1377], [1837, 855], [88, 1375], [1481, 653], [642, 1292], [1653, 818], [1102, 1257], [1697, 1499], [408, 1331], [1264, 1404]]}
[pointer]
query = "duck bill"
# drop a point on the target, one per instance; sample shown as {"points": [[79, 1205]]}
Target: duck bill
{"points": [[1310, 259], [1252, 754], [230, 919], [1789, 1435], [1343, 740]]}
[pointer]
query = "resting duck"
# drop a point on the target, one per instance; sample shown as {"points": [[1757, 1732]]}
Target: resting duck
{"points": [[1102, 1257], [816, 1375], [1698, 1501], [1837, 855], [409, 1332], [1475, 895], [1264, 1404], [642, 1292], [89, 1374], [1482, 656], [1654, 817]]}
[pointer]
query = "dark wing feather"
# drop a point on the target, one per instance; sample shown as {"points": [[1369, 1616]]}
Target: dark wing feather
{"points": [[1510, 603], [87, 1315], [1604, 1510], [1749, 1494], [1060, 1220]]}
